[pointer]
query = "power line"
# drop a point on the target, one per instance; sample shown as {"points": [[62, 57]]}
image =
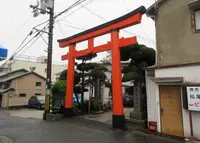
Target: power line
{"points": [[74, 27], [44, 39], [30, 33], [70, 7], [71, 23], [76, 10], [139, 26], [17, 51], [8, 38], [102, 18], [60, 29], [124, 5], [21, 48], [78, 2], [97, 15], [40, 35]]}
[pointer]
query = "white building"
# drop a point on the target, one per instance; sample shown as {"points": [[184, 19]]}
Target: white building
{"points": [[170, 104], [38, 65]]}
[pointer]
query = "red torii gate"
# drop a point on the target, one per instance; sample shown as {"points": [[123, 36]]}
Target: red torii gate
{"points": [[113, 28]]}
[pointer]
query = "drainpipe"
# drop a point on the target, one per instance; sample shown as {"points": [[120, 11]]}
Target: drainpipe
{"points": [[191, 124]]}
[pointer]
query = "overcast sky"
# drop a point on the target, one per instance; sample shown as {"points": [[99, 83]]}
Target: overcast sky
{"points": [[17, 21]]}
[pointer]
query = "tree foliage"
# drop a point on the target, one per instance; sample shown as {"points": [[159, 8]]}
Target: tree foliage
{"points": [[87, 57], [141, 57], [63, 76], [59, 86]]}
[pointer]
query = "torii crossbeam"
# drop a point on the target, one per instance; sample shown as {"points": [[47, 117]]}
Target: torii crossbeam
{"points": [[114, 45]]}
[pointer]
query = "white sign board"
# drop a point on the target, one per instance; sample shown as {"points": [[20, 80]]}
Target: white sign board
{"points": [[193, 95]]}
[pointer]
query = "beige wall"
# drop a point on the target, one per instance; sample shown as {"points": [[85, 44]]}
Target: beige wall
{"points": [[40, 67], [25, 84], [176, 41]]}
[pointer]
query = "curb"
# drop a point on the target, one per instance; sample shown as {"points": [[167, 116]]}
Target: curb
{"points": [[156, 138]]}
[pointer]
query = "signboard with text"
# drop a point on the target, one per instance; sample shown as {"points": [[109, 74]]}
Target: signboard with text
{"points": [[193, 96]]}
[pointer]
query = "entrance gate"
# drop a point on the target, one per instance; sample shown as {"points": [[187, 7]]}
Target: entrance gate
{"points": [[112, 27]]}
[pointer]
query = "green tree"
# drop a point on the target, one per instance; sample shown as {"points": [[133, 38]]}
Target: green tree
{"points": [[58, 90], [84, 67], [141, 57]]}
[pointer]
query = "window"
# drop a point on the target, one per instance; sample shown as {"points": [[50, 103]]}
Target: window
{"points": [[197, 20], [38, 84], [45, 71], [37, 94], [22, 95], [32, 68]]}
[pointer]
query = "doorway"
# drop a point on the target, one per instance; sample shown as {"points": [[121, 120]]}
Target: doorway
{"points": [[171, 110]]}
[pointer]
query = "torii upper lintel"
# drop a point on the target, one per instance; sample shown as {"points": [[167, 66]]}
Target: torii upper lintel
{"points": [[127, 20]]}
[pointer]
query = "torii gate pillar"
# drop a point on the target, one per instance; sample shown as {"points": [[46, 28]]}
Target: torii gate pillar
{"points": [[118, 108]]}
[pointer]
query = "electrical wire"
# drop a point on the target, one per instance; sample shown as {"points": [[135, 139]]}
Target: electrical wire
{"points": [[74, 27], [78, 2], [139, 26], [124, 5], [30, 33], [60, 29], [40, 35], [70, 7], [21, 48], [102, 18], [76, 9], [71, 23], [44, 39], [9, 37]]}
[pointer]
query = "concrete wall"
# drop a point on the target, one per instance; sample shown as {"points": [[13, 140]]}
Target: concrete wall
{"points": [[176, 41], [190, 74], [25, 84], [40, 67]]}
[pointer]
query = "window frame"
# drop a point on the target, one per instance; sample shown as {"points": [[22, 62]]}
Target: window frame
{"points": [[20, 95], [32, 68], [38, 82], [194, 20]]}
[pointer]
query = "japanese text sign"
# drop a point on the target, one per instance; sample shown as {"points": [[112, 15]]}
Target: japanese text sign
{"points": [[193, 95]]}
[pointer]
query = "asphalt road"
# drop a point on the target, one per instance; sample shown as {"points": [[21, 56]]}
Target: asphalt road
{"points": [[74, 130]]}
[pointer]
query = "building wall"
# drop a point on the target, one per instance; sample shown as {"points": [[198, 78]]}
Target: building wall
{"points": [[25, 84], [153, 105], [5, 99], [190, 74], [40, 67], [176, 41]]}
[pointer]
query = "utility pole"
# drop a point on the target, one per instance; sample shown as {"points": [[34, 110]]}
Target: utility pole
{"points": [[49, 61], [47, 6]]}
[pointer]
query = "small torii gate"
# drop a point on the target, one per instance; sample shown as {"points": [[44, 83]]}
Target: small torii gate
{"points": [[112, 27]]}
